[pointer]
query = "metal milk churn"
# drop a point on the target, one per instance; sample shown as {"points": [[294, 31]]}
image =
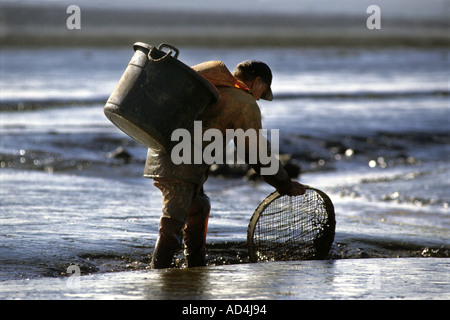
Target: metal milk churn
{"points": [[157, 94]]}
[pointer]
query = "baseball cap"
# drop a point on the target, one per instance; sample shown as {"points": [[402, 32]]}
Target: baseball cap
{"points": [[259, 69]]}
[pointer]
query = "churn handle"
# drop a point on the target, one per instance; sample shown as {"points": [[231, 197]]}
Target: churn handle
{"points": [[172, 48], [165, 45]]}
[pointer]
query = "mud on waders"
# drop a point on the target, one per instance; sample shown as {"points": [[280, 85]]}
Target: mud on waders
{"points": [[156, 95]]}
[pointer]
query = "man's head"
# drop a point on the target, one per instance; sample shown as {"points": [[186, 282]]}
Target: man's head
{"points": [[257, 76]]}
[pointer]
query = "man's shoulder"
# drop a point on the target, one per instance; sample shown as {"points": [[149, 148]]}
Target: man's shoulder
{"points": [[238, 103], [215, 72], [237, 95]]}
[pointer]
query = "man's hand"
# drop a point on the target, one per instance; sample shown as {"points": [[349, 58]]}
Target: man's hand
{"points": [[292, 189]]}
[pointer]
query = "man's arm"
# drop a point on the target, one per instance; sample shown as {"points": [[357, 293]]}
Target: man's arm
{"points": [[280, 180], [273, 173]]}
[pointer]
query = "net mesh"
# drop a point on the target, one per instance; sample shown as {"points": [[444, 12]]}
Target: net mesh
{"points": [[292, 228]]}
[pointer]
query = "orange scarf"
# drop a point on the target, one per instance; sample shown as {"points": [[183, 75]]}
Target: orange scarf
{"points": [[240, 85]]}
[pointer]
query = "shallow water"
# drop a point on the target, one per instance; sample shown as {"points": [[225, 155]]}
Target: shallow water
{"points": [[408, 278], [110, 224], [370, 128]]}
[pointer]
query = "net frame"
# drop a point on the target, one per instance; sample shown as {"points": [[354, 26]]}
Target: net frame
{"points": [[285, 228]]}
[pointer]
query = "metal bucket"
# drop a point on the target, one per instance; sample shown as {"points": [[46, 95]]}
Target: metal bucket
{"points": [[156, 95]]}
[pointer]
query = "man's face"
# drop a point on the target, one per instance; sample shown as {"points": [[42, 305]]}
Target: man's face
{"points": [[258, 88]]}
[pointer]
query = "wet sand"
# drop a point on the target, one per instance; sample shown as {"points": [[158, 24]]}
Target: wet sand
{"points": [[407, 278]]}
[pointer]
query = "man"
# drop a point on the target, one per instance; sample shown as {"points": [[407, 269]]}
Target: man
{"points": [[185, 205]]}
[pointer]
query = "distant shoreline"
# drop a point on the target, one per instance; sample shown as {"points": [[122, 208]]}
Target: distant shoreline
{"points": [[36, 26]]}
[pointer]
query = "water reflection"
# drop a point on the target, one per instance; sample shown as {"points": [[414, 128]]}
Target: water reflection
{"points": [[180, 284], [271, 280], [405, 278], [329, 279]]}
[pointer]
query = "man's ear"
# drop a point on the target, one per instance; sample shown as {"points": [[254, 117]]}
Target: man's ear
{"points": [[258, 82]]}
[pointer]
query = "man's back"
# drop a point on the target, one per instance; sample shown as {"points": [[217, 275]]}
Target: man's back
{"points": [[235, 109]]}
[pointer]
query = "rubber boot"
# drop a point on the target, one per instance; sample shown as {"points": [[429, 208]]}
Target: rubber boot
{"points": [[194, 233], [169, 241]]}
